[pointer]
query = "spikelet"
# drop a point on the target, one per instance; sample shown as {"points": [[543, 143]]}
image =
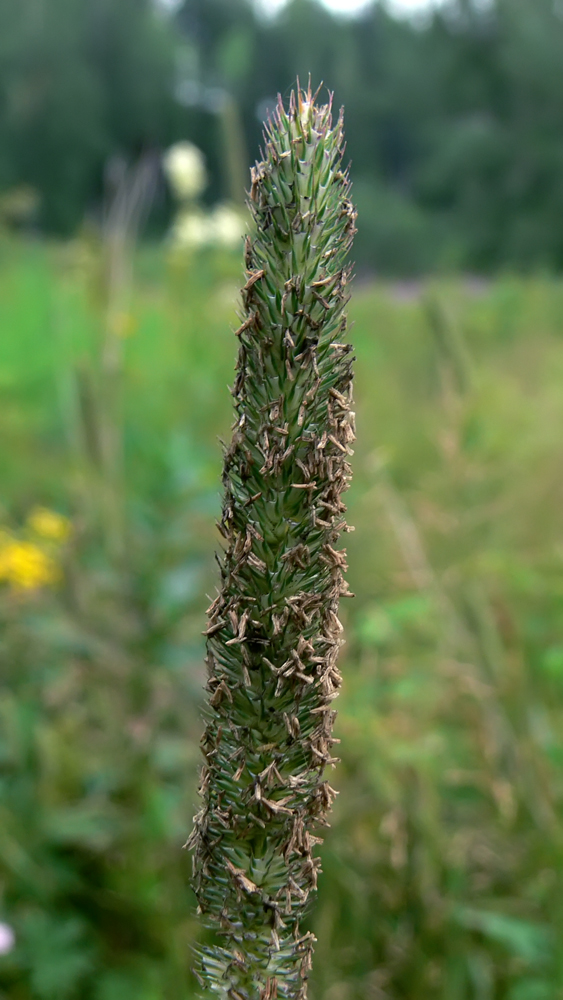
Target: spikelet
{"points": [[273, 634]]}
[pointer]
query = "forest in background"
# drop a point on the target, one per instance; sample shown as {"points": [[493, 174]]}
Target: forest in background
{"points": [[454, 123]]}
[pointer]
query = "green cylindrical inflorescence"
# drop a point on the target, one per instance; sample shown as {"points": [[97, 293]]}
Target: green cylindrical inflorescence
{"points": [[274, 634]]}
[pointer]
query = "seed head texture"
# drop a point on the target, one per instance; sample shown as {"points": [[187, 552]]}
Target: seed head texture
{"points": [[273, 634]]}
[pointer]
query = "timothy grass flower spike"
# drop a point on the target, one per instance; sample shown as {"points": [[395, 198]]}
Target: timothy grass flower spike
{"points": [[273, 634]]}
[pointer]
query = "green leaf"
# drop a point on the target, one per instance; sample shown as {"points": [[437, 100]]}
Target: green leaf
{"points": [[533, 989], [528, 941], [57, 953], [552, 662], [86, 824]]}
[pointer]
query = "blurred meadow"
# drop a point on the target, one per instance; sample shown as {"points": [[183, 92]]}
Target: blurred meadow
{"points": [[443, 868]]}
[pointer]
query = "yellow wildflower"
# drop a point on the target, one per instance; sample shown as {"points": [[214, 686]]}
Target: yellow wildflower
{"points": [[24, 565], [48, 524], [123, 324]]}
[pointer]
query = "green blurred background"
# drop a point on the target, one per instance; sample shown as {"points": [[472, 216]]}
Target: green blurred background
{"points": [[443, 869]]}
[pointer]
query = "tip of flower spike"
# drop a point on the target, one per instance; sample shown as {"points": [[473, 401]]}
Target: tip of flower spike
{"points": [[305, 100], [303, 110], [310, 98]]}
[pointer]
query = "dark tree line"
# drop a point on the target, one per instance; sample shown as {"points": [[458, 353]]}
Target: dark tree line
{"points": [[455, 126]]}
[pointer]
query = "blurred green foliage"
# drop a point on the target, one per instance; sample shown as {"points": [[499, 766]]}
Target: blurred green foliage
{"points": [[442, 870], [79, 82], [453, 123]]}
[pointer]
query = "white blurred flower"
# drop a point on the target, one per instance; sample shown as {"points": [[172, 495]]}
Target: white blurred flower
{"points": [[192, 230], [229, 226], [184, 166], [7, 939], [223, 227]]}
